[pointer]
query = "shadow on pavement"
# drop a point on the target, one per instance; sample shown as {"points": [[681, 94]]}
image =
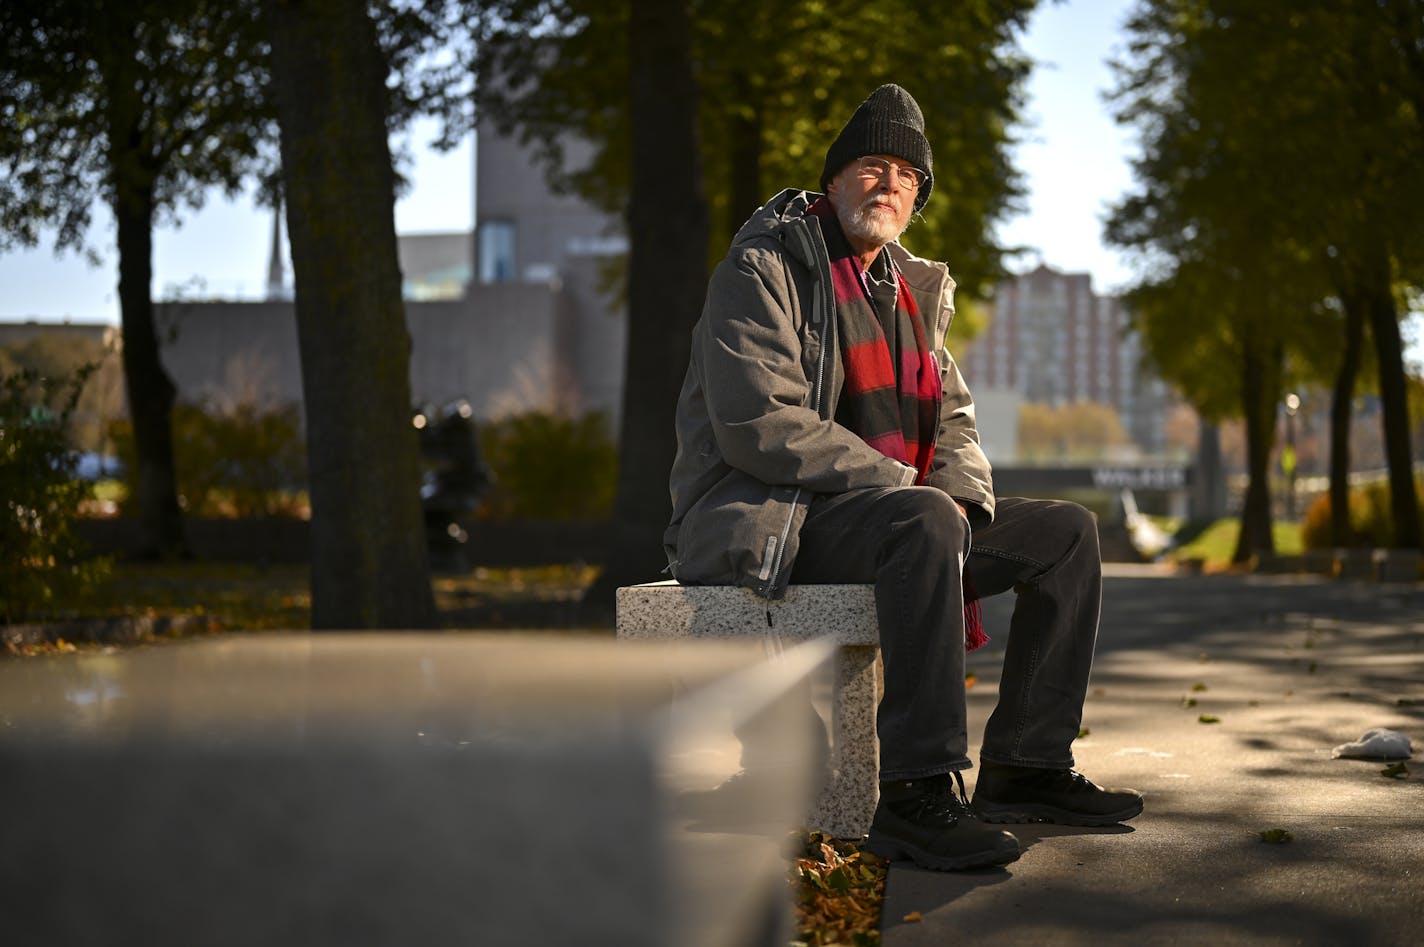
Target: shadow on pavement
{"points": [[1220, 697]]}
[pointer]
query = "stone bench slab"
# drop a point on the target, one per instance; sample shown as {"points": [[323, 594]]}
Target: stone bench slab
{"points": [[843, 615]]}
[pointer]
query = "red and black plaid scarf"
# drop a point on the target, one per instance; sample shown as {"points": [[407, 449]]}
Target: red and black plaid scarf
{"points": [[897, 413]]}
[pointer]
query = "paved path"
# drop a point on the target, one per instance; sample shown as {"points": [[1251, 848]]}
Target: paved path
{"points": [[1291, 666]]}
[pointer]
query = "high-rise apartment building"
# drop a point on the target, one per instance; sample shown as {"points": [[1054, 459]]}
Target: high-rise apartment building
{"points": [[1053, 340]]}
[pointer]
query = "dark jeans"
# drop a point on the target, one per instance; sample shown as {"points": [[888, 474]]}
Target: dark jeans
{"points": [[913, 544]]}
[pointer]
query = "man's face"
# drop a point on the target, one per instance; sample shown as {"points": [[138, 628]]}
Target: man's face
{"points": [[872, 201]]}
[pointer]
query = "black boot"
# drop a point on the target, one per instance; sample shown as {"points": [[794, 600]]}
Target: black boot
{"points": [[925, 821], [1028, 794]]}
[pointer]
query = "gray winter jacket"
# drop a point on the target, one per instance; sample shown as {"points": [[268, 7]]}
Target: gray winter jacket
{"points": [[756, 439]]}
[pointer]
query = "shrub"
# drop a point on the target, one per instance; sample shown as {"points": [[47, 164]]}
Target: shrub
{"points": [[244, 462], [550, 468], [41, 559], [1371, 523]]}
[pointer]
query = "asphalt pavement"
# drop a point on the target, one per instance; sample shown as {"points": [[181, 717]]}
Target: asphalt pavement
{"points": [[1220, 697]]}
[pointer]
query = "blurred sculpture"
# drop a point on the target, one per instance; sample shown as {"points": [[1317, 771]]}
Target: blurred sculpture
{"points": [[455, 478]]}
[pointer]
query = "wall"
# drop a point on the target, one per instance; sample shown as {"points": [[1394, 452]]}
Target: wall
{"points": [[501, 349]]}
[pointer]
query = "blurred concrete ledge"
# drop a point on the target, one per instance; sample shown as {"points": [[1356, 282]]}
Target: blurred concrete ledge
{"points": [[398, 789]]}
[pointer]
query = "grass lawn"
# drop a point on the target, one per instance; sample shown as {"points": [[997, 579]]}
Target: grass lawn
{"points": [[244, 597], [1217, 542]]}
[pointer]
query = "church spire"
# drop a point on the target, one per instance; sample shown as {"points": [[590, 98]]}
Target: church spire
{"points": [[276, 269]]}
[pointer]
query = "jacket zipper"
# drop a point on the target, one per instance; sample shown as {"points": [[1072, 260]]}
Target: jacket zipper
{"points": [[817, 304]]}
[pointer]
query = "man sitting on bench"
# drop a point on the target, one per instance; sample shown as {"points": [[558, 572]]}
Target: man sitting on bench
{"points": [[826, 436]]}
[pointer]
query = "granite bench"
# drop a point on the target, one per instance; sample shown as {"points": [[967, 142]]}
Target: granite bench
{"points": [[843, 615]]}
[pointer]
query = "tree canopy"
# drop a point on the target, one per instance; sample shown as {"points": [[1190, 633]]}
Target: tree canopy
{"points": [[1278, 194], [776, 84], [145, 105], [175, 90]]}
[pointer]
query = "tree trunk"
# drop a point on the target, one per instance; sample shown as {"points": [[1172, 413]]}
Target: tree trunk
{"points": [[1260, 386], [369, 559], [1394, 400], [667, 279], [1209, 491], [151, 392], [745, 186], [1341, 404]]}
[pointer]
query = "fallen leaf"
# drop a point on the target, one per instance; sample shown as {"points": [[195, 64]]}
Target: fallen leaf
{"points": [[1198, 687], [838, 890], [1189, 701], [1395, 771], [1277, 836], [1313, 667], [913, 917], [970, 679], [1208, 718], [1083, 732]]}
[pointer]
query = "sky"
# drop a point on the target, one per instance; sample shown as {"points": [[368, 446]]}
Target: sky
{"points": [[1073, 157]]}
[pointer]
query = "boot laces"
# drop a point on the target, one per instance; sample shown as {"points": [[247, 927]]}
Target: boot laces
{"points": [[941, 802]]}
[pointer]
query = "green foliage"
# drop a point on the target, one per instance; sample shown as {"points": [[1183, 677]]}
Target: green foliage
{"points": [[60, 354], [776, 83], [245, 462], [1278, 192], [1371, 517], [41, 559], [107, 100], [550, 468]]}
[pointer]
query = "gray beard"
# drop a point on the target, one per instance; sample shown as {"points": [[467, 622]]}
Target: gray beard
{"points": [[873, 229]]}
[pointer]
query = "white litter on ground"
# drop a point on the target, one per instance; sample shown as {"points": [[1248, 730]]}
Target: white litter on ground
{"points": [[1376, 744]]}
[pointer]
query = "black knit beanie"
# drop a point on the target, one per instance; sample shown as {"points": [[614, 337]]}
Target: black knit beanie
{"points": [[888, 122]]}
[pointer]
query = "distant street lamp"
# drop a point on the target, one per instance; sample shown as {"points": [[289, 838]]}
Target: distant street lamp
{"points": [[1288, 453]]}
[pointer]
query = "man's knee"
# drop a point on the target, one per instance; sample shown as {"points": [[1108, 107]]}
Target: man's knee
{"points": [[1075, 523], [1051, 528], [1076, 518], [930, 514]]}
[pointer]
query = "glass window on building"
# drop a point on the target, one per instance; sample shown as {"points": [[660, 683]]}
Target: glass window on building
{"points": [[497, 251]]}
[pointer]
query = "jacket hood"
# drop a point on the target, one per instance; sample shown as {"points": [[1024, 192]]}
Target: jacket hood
{"points": [[772, 219], [785, 212]]}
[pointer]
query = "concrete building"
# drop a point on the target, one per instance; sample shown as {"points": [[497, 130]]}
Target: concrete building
{"points": [[559, 245], [513, 317], [1053, 340]]}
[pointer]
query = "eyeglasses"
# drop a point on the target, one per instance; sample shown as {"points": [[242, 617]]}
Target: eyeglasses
{"points": [[909, 176]]}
